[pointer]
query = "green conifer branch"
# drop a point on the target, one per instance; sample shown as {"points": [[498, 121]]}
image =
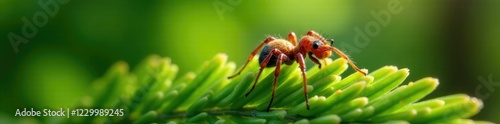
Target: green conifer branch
{"points": [[152, 92]]}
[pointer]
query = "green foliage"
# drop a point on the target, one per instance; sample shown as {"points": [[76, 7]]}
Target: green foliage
{"points": [[151, 92]]}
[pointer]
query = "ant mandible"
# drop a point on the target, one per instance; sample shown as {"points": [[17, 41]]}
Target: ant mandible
{"points": [[278, 51]]}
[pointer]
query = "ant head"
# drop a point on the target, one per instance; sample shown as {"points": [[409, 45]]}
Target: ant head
{"points": [[316, 44]]}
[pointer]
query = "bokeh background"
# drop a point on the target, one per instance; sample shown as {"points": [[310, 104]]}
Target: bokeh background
{"points": [[456, 41]]}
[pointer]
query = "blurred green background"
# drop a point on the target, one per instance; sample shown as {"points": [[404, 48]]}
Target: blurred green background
{"points": [[456, 41]]}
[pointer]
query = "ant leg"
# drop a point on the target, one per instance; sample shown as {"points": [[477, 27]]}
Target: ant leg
{"points": [[269, 39], [341, 54], [302, 65], [314, 60], [281, 57], [262, 66], [292, 38]]}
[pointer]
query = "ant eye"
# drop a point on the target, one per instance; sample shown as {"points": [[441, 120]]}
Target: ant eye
{"points": [[315, 44]]}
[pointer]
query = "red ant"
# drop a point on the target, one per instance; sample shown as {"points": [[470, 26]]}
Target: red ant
{"points": [[288, 51]]}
